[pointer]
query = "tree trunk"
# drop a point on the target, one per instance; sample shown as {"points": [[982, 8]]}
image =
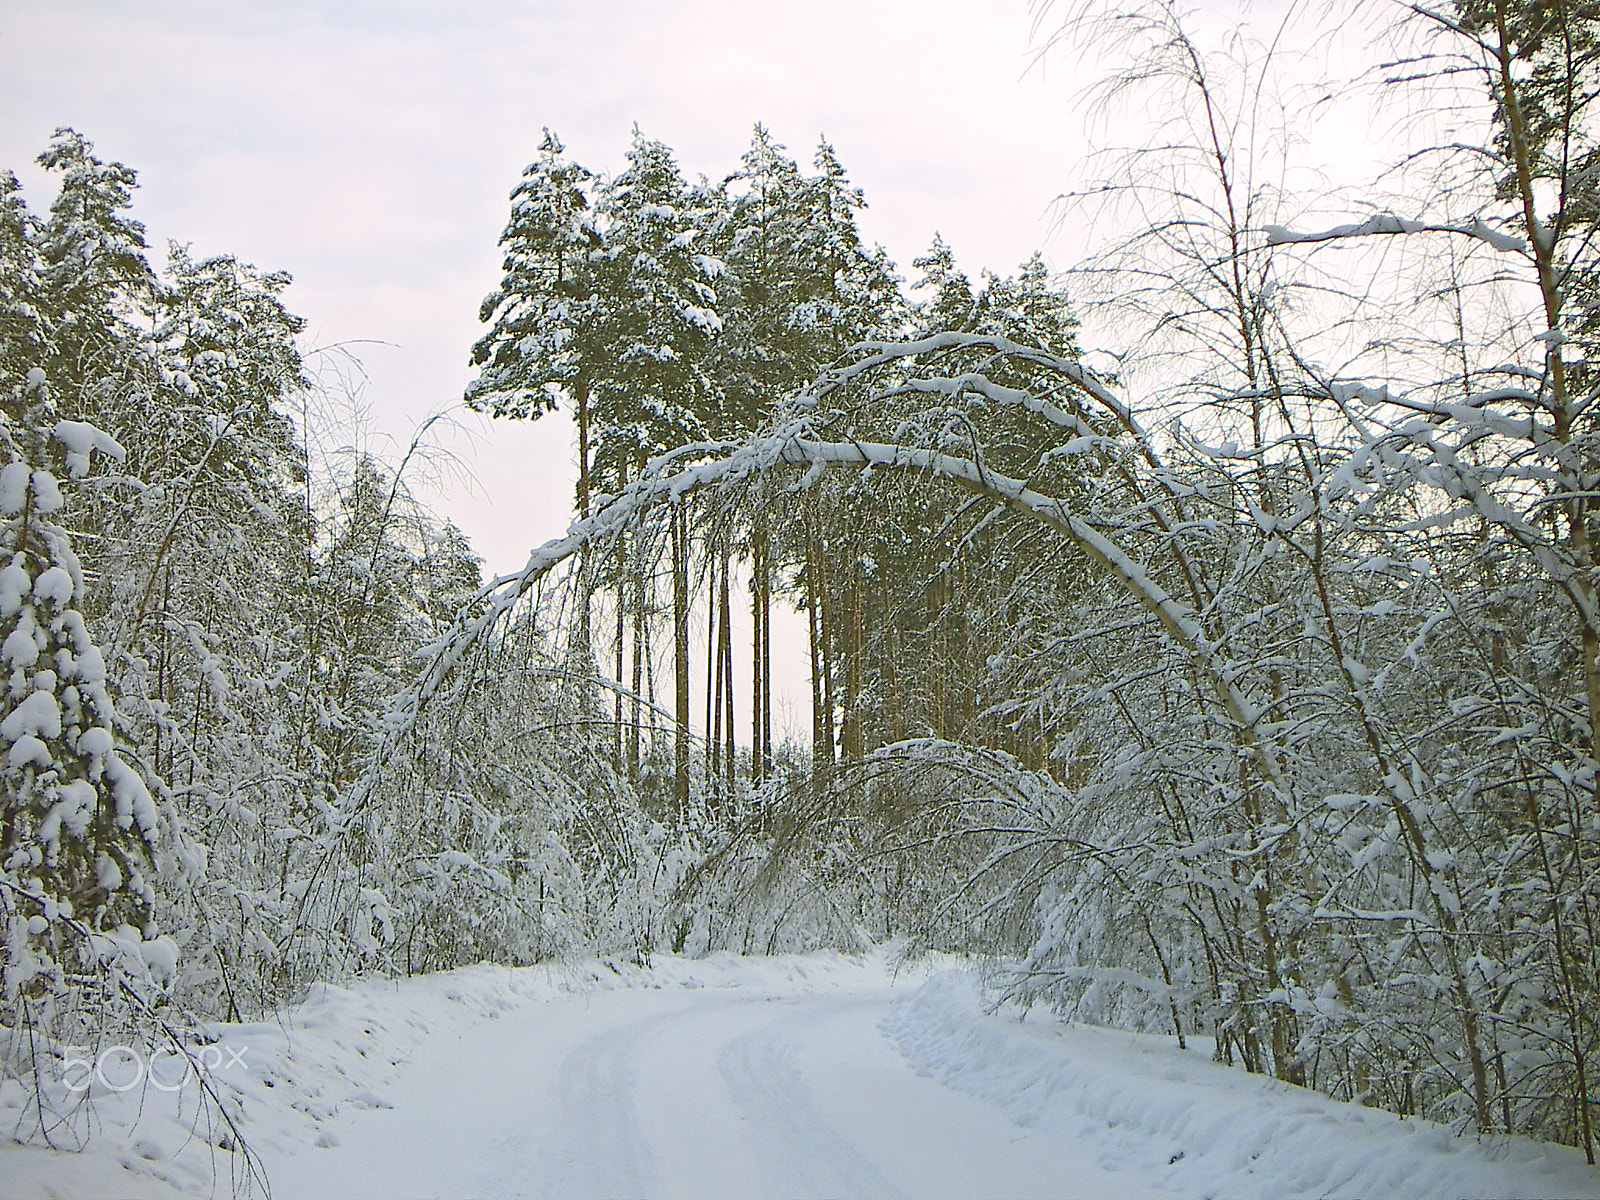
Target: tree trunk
{"points": [[826, 627], [758, 656], [814, 633], [725, 637], [583, 649], [621, 630], [680, 655], [853, 639], [639, 638], [766, 660], [713, 676]]}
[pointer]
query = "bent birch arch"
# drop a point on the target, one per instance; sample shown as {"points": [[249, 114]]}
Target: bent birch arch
{"points": [[798, 438], [1101, 430]]}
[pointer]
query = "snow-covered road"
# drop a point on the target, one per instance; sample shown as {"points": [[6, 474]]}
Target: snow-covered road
{"points": [[697, 1093], [787, 1077]]}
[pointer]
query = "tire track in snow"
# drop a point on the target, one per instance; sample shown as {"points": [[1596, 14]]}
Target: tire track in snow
{"points": [[599, 1146], [802, 1152]]}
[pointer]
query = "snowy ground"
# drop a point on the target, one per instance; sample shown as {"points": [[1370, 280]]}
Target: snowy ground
{"points": [[820, 1076]]}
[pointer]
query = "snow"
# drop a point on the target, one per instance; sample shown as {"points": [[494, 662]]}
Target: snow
{"points": [[21, 647], [107, 873], [54, 586], [89, 666], [13, 488], [792, 1076], [47, 496], [28, 751], [703, 318], [160, 955], [72, 812], [38, 715], [1176, 1123], [134, 805], [14, 585], [80, 440]]}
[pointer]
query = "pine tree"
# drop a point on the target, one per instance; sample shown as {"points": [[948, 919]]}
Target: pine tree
{"points": [[801, 289], [660, 320], [1030, 308], [21, 338], [773, 341], [950, 304], [93, 276], [544, 343], [659, 316], [862, 293]]}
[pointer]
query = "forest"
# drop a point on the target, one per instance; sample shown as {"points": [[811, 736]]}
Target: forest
{"points": [[1233, 674]]}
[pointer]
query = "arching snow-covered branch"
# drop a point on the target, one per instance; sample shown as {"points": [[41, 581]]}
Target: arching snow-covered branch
{"points": [[793, 446]]}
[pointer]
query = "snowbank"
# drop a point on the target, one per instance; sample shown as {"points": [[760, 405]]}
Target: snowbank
{"points": [[1179, 1124]]}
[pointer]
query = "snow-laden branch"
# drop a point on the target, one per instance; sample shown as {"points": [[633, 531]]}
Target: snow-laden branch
{"points": [[795, 440], [1177, 617], [973, 383], [872, 355], [1389, 223], [868, 356], [789, 447]]}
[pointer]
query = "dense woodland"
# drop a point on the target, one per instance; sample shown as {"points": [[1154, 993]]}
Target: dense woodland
{"points": [[1249, 690]]}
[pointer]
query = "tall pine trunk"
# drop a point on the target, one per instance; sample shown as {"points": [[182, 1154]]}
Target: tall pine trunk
{"points": [[639, 637], [814, 633], [758, 655], [583, 642], [850, 746], [725, 637], [713, 673], [680, 655], [620, 632], [826, 623]]}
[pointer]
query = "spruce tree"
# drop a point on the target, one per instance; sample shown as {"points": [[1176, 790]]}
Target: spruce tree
{"points": [[950, 304], [79, 825]]}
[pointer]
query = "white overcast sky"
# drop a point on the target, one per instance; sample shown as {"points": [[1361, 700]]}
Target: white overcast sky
{"points": [[369, 148]]}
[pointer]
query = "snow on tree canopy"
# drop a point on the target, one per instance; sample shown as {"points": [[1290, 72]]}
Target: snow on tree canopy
{"points": [[38, 715]]}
